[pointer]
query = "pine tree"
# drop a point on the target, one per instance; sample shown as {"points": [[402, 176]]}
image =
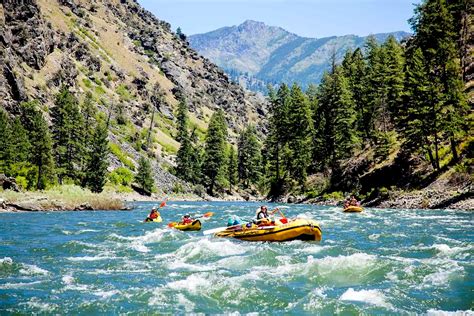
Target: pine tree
{"points": [[182, 120], [232, 168], [249, 157], [41, 144], [276, 144], [416, 116], [144, 177], [355, 69], [214, 161], [436, 36], [97, 163], [394, 76], [300, 127], [185, 155], [336, 131], [68, 135]]}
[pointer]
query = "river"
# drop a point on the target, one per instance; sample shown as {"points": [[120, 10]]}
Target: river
{"points": [[380, 261]]}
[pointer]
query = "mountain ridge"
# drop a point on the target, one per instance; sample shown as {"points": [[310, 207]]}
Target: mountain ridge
{"points": [[273, 54]]}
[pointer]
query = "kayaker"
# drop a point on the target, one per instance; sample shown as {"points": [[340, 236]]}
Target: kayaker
{"points": [[186, 219], [153, 215]]}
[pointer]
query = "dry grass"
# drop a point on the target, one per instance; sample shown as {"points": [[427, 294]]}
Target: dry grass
{"points": [[65, 197]]}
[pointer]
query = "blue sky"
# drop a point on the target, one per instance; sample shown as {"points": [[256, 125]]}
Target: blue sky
{"points": [[311, 18]]}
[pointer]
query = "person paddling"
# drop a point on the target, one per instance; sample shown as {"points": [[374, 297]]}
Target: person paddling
{"points": [[154, 214], [263, 216], [186, 219]]}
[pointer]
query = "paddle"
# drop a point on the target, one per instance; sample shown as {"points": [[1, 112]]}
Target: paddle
{"points": [[197, 216], [162, 204]]}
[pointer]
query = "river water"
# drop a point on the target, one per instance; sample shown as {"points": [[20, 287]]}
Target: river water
{"points": [[377, 262]]}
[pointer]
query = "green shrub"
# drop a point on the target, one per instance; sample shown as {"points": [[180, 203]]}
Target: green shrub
{"points": [[177, 188], [87, 83], [121, 176], [123, 92], [115, 149], [336, 195]]}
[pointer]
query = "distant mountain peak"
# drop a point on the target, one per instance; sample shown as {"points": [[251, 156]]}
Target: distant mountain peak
{"points": [[272, 54]]}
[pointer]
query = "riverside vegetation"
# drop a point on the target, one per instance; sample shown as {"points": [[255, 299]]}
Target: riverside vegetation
{"points": [[392, 116]]}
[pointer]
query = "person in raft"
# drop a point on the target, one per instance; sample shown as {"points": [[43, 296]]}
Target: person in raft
{"points": [[186, 219], [153, 215], [354, 201], [263, 216]]}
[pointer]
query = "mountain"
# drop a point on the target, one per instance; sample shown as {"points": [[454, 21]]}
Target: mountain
{"points": [[131, 63], [272, 54]]}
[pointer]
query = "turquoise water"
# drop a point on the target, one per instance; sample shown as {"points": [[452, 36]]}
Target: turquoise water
{"points": [[376, 262]]}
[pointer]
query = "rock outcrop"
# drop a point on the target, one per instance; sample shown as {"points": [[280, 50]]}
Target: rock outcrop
{"points": [[134, 66]]}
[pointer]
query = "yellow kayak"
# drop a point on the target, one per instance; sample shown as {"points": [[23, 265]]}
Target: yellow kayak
{"points": [[353, 209], [194, 225], [298, 229], [158, 219]]}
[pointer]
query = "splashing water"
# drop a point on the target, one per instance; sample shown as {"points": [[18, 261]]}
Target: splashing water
{"points": [[379, 261]]}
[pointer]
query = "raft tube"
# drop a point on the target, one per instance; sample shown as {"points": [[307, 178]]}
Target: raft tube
{"points": [[353, 209], [298, 229], [194, 225]]}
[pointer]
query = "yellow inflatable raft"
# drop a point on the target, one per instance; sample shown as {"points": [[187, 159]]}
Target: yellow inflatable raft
{"points": [[194, 225], [298, 229], [353, 209]]}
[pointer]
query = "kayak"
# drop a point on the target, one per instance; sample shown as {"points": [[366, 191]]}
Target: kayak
{"points": [[194, 225], [157, 220], [297, 229], [353, 209]]}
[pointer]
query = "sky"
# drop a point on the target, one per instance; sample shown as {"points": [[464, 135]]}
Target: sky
{"points": [[309, 18]]}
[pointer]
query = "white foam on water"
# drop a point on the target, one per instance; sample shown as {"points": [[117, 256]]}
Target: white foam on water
{"points": [[6, 261], [374, 236], [445, 250], [91, 258], [105, 294], [36, 304], [194, 284], [436, 312], [373, 297], [31, 269], [446, 271], [312, 249], [138, 243], [208, 248], [20, 285], [187, 304], [68, 279], [316, 300]]}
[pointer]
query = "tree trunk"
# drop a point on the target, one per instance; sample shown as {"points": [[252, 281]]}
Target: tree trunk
{"points": [[436, 151], [453, 148]]}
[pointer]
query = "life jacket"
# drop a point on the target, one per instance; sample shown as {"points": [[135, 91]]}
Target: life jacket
{"points": [[261, 214], [154, 215], [187, 220]]}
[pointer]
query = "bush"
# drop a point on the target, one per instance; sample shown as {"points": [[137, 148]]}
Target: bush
{"points": [[199, 190], [121, 176], [115, 149], [336, 195], [177, 188]]}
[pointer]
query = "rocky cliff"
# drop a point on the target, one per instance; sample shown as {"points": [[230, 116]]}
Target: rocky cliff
{"points": [[131, 62]]}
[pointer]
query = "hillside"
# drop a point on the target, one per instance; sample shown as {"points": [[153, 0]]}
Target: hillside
{"points": [[272, 54], [131, 62]]}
